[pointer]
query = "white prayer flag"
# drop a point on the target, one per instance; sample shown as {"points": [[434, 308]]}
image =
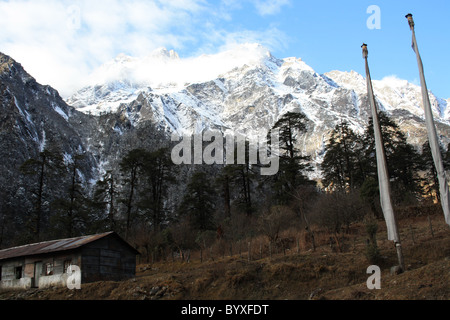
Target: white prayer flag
{"points": [[431, 128], [383, 175]]}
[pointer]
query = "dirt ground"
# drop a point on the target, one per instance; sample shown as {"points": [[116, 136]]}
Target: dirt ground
{"points": [[322, 274]]}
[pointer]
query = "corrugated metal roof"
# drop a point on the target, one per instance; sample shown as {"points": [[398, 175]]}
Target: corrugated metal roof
{"points": [[50, 246]]}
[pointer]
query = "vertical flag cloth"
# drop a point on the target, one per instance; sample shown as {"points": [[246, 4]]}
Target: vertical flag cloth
{"points": [[383, 175], [431, 128]]}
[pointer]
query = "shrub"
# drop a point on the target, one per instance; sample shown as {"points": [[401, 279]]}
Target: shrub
{"points": [[372, 251]]}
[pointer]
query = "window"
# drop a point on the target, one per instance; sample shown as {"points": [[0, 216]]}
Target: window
{"points": [[18, 272], [67, 264], [48, 269]]}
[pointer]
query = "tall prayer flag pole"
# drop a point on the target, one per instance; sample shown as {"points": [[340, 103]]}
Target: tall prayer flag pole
{"points": [[431, 128], [383, 175]]}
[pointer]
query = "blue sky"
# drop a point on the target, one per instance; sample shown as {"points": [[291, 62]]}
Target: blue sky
{"points": [[61, 41]]}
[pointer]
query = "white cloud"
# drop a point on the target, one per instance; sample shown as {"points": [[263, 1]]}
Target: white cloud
{"points": [[263, 7], [162, 68], [59, 42], [269, 7], [393, 81], [271, 38], [218, 40]]}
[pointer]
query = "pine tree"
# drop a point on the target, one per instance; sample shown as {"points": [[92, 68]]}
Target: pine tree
{"points": [[159, 173], [290, 126], [5, 216], [431, 181], [402, 158], [105, 200], [224, 181], [199, 203], [46, 165], [244, 176], [370, 194], [293, 165], [341, 165], [240, 178], [72, 211], [131, 167]]}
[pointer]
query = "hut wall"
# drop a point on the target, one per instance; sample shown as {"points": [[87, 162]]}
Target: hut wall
{"points": [[107, 259]]}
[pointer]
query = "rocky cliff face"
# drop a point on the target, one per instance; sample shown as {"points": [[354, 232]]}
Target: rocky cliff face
{"points": [[247, 90], [134, 102], [34, 118]]}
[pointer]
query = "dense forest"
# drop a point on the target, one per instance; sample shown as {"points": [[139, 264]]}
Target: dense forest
{"points": [[158, 206]]}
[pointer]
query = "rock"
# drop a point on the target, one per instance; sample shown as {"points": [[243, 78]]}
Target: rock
{"points": [[162, 291], [396, 270], [154, 291], [315, 293]]}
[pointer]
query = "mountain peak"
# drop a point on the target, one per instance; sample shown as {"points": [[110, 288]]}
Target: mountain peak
{"points": [[350, 80], [164, 68], [251, 52], [243, 81], [163, 53], [13, 70], [157, 54], [4, 58], [394, 82], [6, 62], [122, 58]]}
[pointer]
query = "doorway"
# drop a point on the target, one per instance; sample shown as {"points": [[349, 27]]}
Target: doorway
{"points": [[37, 273]]}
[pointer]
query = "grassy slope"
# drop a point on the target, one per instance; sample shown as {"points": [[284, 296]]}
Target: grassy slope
{"points": [[322, 274]]}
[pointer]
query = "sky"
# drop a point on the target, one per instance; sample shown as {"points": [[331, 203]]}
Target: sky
{"points": [[61, 42]]}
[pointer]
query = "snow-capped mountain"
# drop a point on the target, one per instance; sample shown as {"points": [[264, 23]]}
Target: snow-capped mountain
{"points": [[34, 118], [447, 110], [247, 89], [135, 102], [244, 90]]}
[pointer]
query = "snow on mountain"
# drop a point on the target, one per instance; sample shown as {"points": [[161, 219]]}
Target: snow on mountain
{"points": [[246, 89], [124, 78], [400, 94], [33, 118], [446, 103]]}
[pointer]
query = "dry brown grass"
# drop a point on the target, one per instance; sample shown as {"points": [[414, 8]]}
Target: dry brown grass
{"points": [[325, 273]]}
